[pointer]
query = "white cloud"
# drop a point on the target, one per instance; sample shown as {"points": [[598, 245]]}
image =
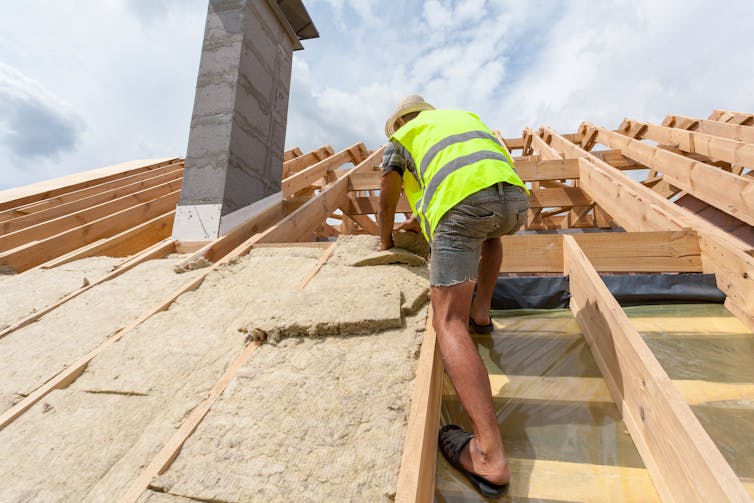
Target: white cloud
{"points": [[127, 68]]}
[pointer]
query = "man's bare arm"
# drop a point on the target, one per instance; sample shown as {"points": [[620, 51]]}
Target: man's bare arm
{"points": [[390, 192]]}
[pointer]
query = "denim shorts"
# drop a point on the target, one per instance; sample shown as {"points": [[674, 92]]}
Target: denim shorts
{"points": [[495, 211]]}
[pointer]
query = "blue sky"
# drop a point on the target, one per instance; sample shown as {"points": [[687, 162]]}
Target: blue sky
{"points": [[90, 83]]}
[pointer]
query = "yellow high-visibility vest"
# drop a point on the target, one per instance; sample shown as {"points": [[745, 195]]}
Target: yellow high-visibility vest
{"points": [[455, 155]]}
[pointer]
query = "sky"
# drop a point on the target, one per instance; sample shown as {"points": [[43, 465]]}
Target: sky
{"points": [[90, 83]]}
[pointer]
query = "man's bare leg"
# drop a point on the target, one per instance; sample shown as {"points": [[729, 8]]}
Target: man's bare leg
{"points": [[489, 267], [485, 455]]}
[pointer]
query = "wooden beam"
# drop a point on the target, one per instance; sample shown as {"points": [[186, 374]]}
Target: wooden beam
{"points": [[310, 158], [741, 118], [721, 129], [541, 148], [694, 142], [663, 251], [416, 477], [63, 223], [637, 208], [731, 193], [38, 252], [123, 244], [292, 154], [549, 198], [73, 201], [303, 179], [39, 191], [683, 461]]}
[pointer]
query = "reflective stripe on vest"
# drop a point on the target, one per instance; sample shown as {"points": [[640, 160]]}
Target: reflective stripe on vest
{"points": [[445, 171], [450, 143]]}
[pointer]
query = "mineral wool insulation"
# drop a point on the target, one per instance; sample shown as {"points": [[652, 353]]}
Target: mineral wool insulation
{"points": [[322, 415]]}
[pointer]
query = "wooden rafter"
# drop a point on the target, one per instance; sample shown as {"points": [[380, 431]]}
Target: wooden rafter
{"points": [[66, 204], [95, 180], [713, 147], [726, 191], [38, 252], [637, 208], [684, 463], [714, 128]]}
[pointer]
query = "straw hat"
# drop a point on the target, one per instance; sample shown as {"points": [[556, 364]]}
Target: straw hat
{"points": [[412, 103]]}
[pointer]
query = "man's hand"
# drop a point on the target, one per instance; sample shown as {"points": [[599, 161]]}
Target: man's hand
{"points": [[411, 225]]}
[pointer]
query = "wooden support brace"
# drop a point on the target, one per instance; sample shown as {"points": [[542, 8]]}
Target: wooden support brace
{"points": [[683, 461]]}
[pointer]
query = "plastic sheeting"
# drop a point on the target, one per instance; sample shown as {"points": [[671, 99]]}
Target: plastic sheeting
{"points": [[706, 343], [555, 415]]}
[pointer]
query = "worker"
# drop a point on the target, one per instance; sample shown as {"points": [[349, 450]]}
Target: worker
{"points": [[464, 195]]}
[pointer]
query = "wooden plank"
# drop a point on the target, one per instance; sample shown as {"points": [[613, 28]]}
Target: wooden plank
{"points": [[682, 460], [540, 147], [731, 193], [157, 251], [303, 179], [292, 154], [32, 254], [295, 165], [322, 260], [19, 196], [728, 116], [549, 198], [416, 477], [714, 128], [124, 243], [63, 223], [533, 171], [165, 457], [725, 149], [58, 210], [637, 208], [663, 251]]}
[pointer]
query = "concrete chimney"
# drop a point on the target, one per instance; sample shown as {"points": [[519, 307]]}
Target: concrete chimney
{"points": [[237, 138]]}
